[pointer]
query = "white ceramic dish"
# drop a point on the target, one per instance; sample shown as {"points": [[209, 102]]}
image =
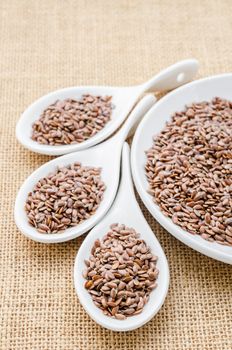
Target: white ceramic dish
{"points": [[125, 210], [152, 124], [124, 98], [107, 156]]}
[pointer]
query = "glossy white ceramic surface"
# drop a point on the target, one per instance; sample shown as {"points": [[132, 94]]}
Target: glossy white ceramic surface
{"points": [[123, 98], [106, 155], [152, 124], [125, 210]]}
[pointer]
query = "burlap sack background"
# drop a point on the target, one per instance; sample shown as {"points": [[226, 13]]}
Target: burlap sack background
{"points": [[46, 45]]}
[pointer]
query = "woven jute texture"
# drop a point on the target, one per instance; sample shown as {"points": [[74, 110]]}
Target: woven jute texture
{"points": [[46, 45]]}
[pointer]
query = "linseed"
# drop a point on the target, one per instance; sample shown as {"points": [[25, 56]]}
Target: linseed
{"points": [[72, 121], [189, 170], [64, 198], [121, 273]]}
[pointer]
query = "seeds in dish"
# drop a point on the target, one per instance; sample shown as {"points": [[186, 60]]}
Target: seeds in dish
{"points": [[64, 198], [121, 272], [189, 170], [72, 121]]}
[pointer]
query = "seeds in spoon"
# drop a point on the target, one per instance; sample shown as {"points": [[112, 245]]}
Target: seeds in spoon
{"points": [[118, 285], [189, 170], [64, 198], [72, 121]]}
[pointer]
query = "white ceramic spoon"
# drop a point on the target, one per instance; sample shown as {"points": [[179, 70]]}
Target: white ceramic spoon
{"points": [[105, 155], [152, 124], [125, 210], [123, 98]]}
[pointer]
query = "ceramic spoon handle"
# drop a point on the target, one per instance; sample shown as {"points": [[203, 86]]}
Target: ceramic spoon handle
{"points": [[135, 116], [172, 77]]}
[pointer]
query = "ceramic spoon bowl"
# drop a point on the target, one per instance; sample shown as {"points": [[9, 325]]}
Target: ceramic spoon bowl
{"points": [[123, 98], [107, 156], [125, 210], [152, 124]]}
